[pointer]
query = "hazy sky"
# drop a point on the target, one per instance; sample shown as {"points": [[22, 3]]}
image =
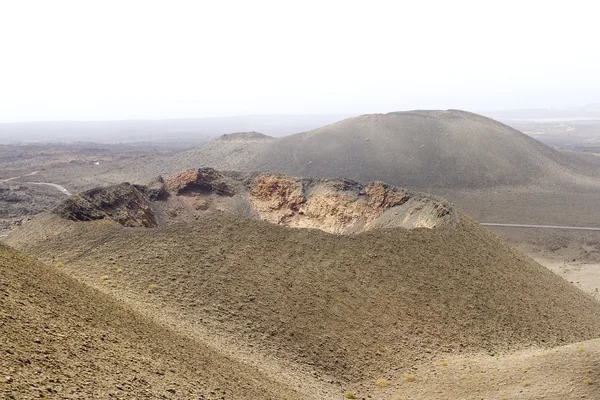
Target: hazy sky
{"points": [[169, 59]]}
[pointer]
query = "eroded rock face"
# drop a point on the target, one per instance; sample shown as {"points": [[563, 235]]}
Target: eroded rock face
{"points": [[339, 206], [122, 203], [277, 196], [343, 206], [156, 189], [203, 181]]}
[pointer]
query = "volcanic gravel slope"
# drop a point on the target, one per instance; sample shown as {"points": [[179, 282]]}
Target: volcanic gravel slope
{"points": [[62, 339], [418, 149], [341, 309]]}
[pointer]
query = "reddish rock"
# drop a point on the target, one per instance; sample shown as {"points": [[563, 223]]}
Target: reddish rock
{"points": [[198, 181]]}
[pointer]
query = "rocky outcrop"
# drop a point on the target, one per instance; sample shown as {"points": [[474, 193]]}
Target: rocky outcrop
{"points": [[277, 195], [203, 181], [155, 189], [343, 206], [339, 206], [122, 203]]}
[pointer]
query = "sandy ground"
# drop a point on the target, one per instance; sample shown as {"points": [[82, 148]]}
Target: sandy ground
{"points": [[567, 372], [323, 311], [573, 255], [586, 276]]}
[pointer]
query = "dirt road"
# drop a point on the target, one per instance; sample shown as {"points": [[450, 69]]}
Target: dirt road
{"points": [[579, 228], [54, 185]]}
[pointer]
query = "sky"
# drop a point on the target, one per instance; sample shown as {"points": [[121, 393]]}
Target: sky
{"points": [[129, 59]]}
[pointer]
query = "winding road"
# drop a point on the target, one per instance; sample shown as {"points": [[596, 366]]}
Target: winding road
{"points": [[54, 185], [577, 228], [17, 177]]}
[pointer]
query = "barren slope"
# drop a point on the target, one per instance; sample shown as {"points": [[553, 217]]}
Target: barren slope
{"points": [[343, 308], [562, 373], [420, 149], [61, 339], [226, 152]]}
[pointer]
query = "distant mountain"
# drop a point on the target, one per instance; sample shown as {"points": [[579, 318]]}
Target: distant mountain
{"points": [[420, 149], [193, 130]]}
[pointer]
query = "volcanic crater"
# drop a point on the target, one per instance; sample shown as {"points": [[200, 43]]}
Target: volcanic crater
{"points": [[339, 206]]}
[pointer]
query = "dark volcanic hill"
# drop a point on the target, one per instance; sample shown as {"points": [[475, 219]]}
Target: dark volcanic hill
{"points": [[420, 149], [424, 150], [340, 309]]}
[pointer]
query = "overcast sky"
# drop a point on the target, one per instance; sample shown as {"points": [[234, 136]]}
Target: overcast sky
{"points": [[127, 59]]}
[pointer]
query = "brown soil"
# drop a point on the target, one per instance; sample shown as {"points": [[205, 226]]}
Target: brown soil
{"points": [[62, 339], [303, 310], [562, 373], [344, 309]]}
